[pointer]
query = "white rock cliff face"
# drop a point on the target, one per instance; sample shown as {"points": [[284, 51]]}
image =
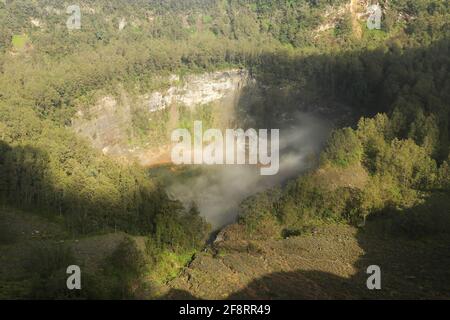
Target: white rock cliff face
{"points": [[198, 90], [108, 123]]}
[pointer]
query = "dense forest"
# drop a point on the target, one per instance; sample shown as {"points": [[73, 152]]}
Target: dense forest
{"points": [[396, 158]]}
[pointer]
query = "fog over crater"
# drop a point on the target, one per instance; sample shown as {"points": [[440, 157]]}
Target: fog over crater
{"points": [[219, 189]]}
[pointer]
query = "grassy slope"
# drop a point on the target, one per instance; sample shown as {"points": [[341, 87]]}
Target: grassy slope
{"points": [[21, 234], [329, 263]]}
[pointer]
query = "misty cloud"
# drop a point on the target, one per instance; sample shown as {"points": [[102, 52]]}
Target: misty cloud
{"points": [[218, 190]]}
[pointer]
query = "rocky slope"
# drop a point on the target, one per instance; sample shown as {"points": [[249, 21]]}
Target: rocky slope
{"points": [[329, 262], [109, 122]]}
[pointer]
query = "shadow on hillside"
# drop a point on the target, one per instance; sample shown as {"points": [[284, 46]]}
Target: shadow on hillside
{"points": [[367, 81], [88, 196], [411, 268], [411, 247], [28, 183], [412, 250]]}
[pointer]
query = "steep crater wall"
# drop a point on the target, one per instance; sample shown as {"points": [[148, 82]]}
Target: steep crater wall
{"points": [[110, 124]]}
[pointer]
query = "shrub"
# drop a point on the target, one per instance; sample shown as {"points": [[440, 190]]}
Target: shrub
{"points": [[430, 218], [409, 164], [45, 258], [343, 148], [258, 215], [123, 270], [46, 263]]}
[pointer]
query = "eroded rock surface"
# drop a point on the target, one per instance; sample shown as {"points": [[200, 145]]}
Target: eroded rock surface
{"points": [[108, 123]]}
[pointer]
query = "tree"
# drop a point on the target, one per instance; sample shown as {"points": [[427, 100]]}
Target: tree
{"points": [[343, 148]]}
